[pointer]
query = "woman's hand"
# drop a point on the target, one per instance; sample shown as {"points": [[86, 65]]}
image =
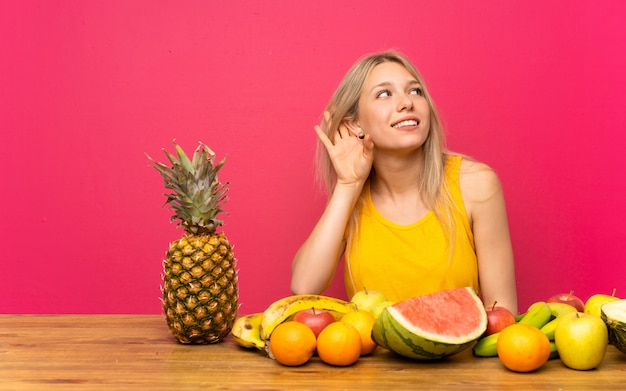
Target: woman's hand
{"points": [[351, 153], [315, 263]]}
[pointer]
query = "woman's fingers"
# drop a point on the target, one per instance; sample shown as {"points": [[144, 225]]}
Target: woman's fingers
{"points": [[368, 147], [347, 131], [323, 137], [327, 120], [343, 130]]}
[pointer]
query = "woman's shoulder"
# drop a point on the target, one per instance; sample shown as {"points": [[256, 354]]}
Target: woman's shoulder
{"points": [[478, 181]]}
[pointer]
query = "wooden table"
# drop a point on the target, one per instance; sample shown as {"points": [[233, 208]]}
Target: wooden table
{"points": [[137, 352]]}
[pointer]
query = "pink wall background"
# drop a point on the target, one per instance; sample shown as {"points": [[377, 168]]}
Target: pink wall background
{"points": [[536, 89]]}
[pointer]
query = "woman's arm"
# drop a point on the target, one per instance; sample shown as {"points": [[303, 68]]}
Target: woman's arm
{"points": [[486, 209], [315, 262]]}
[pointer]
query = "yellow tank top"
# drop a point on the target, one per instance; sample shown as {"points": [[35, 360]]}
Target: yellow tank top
{"points": [[404, 261]]}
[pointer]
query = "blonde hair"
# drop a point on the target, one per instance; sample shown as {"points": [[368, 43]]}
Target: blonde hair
{"points": [[343, 106]]}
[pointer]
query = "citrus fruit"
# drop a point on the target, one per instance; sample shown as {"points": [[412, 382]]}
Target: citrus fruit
{"points": [[292, 343], [339, 344], [363, 321], [523, 347]]}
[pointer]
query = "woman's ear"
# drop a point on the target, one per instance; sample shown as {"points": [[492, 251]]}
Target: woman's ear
{"points": [[355, 128], [353, 125]]}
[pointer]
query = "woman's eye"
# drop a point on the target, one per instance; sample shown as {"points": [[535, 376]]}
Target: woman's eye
{"points": [[383, 94], [417, 91]]}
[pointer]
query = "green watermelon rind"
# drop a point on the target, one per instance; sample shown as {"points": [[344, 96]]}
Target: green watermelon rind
{"points": [[414, 346], [390, 334]]}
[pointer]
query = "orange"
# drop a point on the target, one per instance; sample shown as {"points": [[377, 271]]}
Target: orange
{"points": [[523, 348], [339, 344], [363, 321], [292, 343]]}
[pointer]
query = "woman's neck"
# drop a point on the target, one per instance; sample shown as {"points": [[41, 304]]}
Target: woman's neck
{"points": [[395, 174], [395, 189]]}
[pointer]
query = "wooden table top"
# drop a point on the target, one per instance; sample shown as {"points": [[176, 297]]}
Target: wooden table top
{"points": [[137, 352]]}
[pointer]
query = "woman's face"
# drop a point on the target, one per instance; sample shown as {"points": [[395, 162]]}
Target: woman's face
{"points": [[393, 109]]}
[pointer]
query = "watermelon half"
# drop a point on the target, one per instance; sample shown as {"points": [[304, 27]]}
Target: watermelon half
{"points": [[432, 326]]}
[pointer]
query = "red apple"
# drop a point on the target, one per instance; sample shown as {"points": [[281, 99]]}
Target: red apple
{"points": [[498, 318], [316, 319], [568, 298]]}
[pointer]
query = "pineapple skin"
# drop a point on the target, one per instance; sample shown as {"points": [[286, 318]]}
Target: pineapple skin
{"points": [[200, 290]]}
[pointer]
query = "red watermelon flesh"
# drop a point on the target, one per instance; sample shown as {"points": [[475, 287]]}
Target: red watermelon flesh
{"points": [[432, 326], [450, 313]]}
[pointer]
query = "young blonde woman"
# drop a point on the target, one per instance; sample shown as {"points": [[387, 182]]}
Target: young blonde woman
{"points": [[408, 217]]}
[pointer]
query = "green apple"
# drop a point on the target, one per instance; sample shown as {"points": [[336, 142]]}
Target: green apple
{"points": [[593, 303], [378, 308], [581, 340], [366, 300]]}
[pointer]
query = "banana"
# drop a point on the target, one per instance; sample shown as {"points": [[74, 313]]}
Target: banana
{"points": [[282, 309], [559, 309], [554, 353], [538, 315], [246, 330], [486, 346], [549, 328]]}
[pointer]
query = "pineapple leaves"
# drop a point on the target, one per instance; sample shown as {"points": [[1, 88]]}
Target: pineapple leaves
{"points": [[184, 160], [197, 195]]}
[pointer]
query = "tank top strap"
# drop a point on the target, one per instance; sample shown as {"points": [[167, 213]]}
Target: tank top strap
{"points": [[453, 173]]}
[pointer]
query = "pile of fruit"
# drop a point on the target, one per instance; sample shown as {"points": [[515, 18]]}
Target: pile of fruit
{"points": [[562, 327], [293, 329]]}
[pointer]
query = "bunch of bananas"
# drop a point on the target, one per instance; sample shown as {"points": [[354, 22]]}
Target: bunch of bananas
{"points": [[542, 315], [254, 330]]}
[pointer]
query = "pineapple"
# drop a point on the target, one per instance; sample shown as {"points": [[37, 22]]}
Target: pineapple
{"points": [[200, 290]]}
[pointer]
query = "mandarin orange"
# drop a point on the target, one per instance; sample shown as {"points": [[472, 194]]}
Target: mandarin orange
{"points": [[292, 343], [363, 321], [339, 344], [523, 348]]}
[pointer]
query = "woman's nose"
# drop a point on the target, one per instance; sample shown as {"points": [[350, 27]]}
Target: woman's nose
{"points": [[406, 103]]}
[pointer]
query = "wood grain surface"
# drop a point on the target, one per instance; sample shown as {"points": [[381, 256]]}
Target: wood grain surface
{"points": [[137, 352]]}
